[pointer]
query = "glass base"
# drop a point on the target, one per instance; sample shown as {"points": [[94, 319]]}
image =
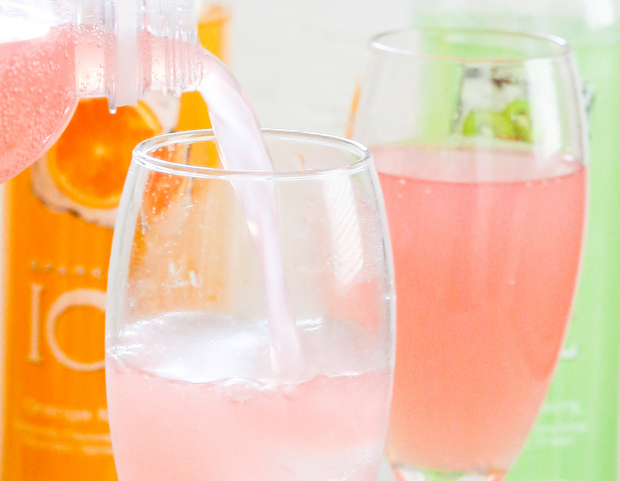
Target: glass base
{"points": [[410, 473]]}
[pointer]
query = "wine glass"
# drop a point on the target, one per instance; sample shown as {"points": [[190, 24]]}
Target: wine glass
{"points": [[478, 137], [250, 315]]}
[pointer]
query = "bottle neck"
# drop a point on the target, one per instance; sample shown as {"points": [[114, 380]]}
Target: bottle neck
{"points": [[125, 47]]}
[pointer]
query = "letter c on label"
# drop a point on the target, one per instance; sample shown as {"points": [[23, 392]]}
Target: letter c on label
{"points": [[78, 297]]}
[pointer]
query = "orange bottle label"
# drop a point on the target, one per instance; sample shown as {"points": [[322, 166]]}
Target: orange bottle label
{"points": [[59, 219], [55, 423]]}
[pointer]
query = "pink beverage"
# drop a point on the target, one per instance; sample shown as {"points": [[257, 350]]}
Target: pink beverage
{"points": [[37, 76], [191, 403], [486, 251]]}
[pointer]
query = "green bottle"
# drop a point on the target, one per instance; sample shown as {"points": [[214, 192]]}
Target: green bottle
{"points": [[576, 436]]}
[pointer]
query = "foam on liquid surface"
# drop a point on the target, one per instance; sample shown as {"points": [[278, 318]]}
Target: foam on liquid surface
{"points": [[200, 348]]}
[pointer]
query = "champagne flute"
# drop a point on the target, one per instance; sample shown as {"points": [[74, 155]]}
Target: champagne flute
{"points": [[199, 379], [478, 137]]}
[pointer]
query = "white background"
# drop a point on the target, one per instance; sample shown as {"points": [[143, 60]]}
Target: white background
{"points": [[299, 60]]}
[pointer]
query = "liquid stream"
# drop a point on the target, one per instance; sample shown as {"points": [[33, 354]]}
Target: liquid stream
{"points": [[241, 148]]}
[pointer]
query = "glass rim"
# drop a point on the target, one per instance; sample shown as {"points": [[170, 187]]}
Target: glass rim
{"points": [[557, 47], [141, 155]]}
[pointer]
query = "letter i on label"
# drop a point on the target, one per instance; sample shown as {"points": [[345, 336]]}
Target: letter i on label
{"points": [[34, 355]]}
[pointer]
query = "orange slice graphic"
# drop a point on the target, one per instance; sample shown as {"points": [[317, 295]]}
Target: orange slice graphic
{"points": [[90, 160]]}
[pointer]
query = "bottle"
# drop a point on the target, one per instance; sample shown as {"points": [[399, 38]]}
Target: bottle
{"points": [[213, 32], [53, 52], [59, 215], [576, 436]]}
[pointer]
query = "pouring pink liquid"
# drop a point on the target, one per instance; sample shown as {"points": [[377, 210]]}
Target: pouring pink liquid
{"points": [[42, 76]]}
